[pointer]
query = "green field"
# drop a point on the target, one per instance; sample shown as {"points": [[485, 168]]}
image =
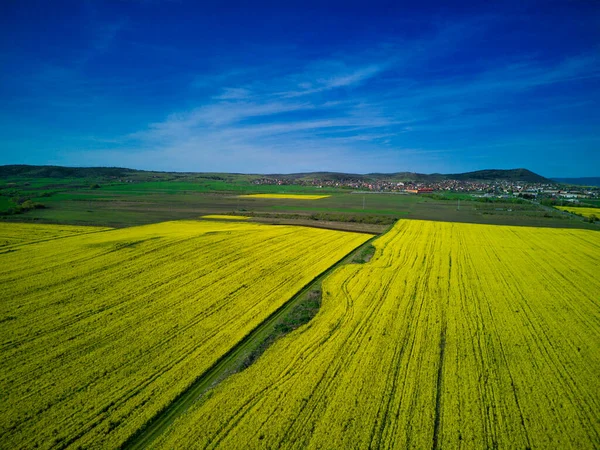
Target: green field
{"points": [[118, 204], [121, 198]]}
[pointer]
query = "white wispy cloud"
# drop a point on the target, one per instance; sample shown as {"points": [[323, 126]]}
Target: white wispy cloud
{"points": [[234, 94], [329, 113], [328, 75]]}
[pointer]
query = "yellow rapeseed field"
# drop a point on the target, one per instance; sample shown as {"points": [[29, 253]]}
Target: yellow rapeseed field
{"points": [[286, 196], [224, 217], [100, 331], [453, 336], [585, 212], [11, 234]]}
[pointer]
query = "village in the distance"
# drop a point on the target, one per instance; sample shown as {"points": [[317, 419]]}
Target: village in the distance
{"points": [[547, 191]]}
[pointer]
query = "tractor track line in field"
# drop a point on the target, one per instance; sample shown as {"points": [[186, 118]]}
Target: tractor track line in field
{"points": [[439, 384]]}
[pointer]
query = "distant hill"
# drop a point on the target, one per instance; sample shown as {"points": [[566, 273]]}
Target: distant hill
{"points": [[63, 172], [496, 174], [480, 175], [408, 176], [586, 181], [333, 176], [118, 172]]}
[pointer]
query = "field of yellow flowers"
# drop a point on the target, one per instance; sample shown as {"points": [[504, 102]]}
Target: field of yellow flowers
{"points": [[585, 212], [286, 196], [25, 233], [452, 336], [101, 329]]}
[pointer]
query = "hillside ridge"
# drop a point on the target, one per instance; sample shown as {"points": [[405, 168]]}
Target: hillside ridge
{"points": [[519, 174]]}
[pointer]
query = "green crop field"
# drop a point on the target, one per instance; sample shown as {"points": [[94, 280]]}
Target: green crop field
{"points": [[144, 198], [116, 208]]}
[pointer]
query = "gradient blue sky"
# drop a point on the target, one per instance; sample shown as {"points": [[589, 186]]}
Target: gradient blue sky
{"points": [[259, 87]]}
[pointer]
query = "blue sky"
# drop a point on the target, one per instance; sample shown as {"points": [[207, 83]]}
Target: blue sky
{"points": [[280, 87]]}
